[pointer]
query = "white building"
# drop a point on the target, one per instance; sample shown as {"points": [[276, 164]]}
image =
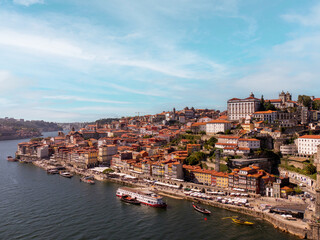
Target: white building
{"points": [[288, 149], [241, 108], [250, 143], [216, 126], [269, 116], [234, 145], [307, 144]]}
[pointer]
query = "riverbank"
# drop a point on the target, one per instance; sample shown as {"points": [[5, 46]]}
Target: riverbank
{"points": [[297, 228]]}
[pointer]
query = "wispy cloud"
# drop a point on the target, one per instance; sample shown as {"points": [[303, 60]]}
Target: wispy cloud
{"points": [[151, 54], [310, 19], [81, 99], [40, 44], [27, 3]]}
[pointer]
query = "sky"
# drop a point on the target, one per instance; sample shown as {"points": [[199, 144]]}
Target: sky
{"points": [[81, 60]]}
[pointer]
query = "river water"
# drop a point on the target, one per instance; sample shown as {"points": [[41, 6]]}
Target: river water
{"points": [[34, 205]]}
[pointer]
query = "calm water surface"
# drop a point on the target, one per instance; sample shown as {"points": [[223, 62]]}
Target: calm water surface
{"points": [[34, 205]]}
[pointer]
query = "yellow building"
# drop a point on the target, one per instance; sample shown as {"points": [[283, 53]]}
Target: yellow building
{"points": [[203, 176], [137, 167], [248, 127], [222, 179]]}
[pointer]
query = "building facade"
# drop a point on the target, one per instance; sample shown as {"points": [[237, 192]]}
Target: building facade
{"points": [[307, 144], [241, 108]]}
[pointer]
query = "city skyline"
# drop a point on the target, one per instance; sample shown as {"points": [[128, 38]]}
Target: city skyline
{"points": [[81, 61]]}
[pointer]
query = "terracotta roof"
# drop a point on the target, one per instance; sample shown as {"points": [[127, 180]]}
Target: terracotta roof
{"points": [[264, 112], [229, 137], [273, 100], [218, 121], [311, 136], [248, 139]]}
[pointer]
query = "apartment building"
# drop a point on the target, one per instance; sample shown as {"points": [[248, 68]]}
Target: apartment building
{"points": [[216, 126], [307, 144]]}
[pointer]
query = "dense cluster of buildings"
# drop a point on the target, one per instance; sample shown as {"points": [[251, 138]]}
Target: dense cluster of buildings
{"points": [[153, 146]]}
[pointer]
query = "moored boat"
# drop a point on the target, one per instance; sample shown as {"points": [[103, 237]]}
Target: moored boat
{"points": [[128, 199], [241, 221], [53, 171], [144, 196], [66, 174], [11, 159], [87, 180], [200, 209]]}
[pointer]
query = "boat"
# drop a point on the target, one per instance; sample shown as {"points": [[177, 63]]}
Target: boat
{"points": [[241, 221], [11, 159], [66, 174], [200, 209], [53, 171], [142, 195], [87, 180], [128, 199]]}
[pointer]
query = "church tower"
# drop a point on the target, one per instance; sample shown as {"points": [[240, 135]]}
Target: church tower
{"points": [[282, 97], [288, 97]]}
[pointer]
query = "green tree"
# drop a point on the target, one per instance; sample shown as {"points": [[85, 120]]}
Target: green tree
{"points": [[310, 169], [316, 105], [195, 158], [297, 190], [212, 141], [227, 132], [262, 104], [305, 100], [269, 106]]}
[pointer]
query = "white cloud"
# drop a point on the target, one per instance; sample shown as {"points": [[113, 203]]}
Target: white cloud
{"points": [[81, 99], [310, 19], [9, 82], [27, 3], [42, 44]]}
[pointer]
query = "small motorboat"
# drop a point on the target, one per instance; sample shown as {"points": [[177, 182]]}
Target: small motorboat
{"points": [[200, 209], [66, 174], [241, 221], [11, 159], [128, 199], [87, 180], [53, 171]]}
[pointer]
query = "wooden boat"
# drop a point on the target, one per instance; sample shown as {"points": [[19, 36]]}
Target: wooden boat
{"points": [[66, 174], [128, 199], [11, 159], [87, 180], [241, 221], [200, 209]]}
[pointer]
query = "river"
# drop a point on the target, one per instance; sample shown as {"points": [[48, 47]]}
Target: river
{"points": [[34, 205]]}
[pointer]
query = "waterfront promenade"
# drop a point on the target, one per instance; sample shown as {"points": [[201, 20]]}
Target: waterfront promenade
{"points": [[298, 227]]}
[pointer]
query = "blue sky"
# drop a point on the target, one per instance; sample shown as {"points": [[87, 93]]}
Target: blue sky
{"points": [[80, 60]]}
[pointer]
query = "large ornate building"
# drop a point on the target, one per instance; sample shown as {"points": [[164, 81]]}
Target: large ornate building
{"points": [[284, 101], [240, 108]]}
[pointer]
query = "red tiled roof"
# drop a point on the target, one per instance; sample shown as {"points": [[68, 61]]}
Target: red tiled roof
{"points": [[311, 136], [264, 112]]}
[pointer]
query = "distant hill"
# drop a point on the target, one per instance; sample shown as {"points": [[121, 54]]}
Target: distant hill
{"points": [[11, 128], [106, 120]]}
